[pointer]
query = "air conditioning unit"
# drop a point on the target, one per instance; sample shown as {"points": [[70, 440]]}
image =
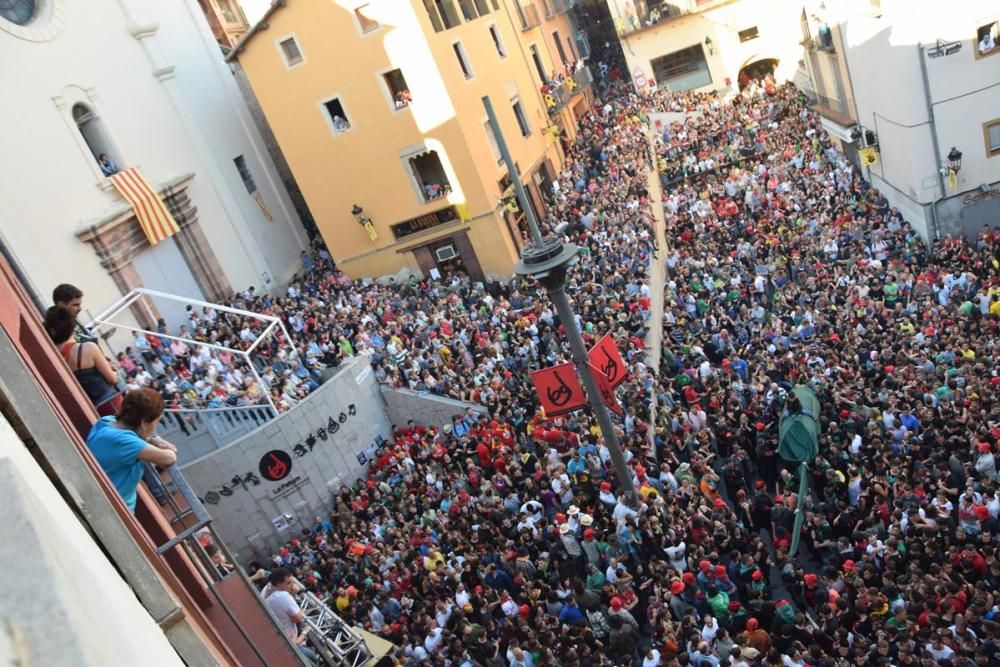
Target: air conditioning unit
{"points": [[446, 252]]}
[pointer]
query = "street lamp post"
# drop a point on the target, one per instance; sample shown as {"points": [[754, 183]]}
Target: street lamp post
{"points": [[547, 261]]}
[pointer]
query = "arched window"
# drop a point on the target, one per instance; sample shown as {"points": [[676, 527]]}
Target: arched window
{"points": [[18, 12], [97, 139]]}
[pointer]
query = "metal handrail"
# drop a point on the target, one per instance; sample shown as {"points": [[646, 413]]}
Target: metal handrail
{"points": [[187, 540]]}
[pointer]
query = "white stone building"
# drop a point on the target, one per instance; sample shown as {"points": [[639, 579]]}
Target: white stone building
{"points": [[914, 79], [144, 82], [707, 44]]}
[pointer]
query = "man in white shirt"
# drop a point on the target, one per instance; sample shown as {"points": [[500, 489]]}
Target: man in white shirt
{"points": [[278, 595], [987, 43]]}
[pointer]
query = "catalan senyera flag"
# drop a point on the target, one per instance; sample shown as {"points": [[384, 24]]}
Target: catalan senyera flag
{"points": [[152, 213]]}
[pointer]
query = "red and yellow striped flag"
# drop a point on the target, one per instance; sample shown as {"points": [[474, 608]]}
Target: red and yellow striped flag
{"points": [[152, 213]]}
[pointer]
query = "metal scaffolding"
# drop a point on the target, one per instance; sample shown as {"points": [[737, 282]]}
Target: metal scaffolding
{"points": [[337, 643]]}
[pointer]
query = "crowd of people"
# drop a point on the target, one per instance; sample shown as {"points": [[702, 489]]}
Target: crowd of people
{"points": [[506, 540]]}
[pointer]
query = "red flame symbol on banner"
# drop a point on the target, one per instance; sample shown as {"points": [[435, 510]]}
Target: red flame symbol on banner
{"points": [[277, 469]]}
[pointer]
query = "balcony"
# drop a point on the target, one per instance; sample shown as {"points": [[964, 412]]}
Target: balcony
{"points": [[430, 176], [583, 79], [554, 8], [529, 16], [558, 96], [650, 14], [840, 111]]}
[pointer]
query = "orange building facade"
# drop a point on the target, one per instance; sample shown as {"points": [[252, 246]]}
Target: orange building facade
{"points": [[377, 107]]}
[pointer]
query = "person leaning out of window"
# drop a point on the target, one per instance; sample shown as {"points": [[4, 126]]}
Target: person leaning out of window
{"points": [[96, 375], [121, 444]]}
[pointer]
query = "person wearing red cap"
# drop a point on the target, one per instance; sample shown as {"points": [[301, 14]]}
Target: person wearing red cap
{"points": [[617, 608], [757, 637], [986, 465]]}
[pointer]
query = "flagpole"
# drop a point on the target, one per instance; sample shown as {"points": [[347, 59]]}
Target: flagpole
{"points": [[547, 260]]}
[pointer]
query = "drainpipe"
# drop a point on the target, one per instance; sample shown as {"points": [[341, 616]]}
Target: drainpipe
{"points": [[934, 141]]}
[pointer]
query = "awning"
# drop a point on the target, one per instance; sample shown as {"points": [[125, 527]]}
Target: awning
{"points": [[836, 129], [152, 214]]}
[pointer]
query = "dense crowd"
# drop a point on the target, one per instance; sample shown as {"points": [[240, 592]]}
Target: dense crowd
{"points": [[504, 540]]}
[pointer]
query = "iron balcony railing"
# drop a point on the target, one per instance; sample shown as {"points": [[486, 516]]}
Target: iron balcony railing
{"points": [[200, 432], [555, 7], [583, 78], [842, 109], [650, 13], [193, 533], [557, 97]]}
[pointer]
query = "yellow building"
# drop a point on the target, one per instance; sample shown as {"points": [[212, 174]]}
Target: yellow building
{"points": [[377, 107]]}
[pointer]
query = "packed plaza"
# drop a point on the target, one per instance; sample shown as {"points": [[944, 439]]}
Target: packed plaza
{"points": [[505, 540]]}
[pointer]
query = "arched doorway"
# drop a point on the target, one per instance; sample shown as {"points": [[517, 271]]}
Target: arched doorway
{"points": [[756, 68]]}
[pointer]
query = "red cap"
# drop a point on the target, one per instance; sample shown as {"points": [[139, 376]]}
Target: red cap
{"points": [[760, 426], [479, 590], [850, 566], [720, 570], [616, 603], [889, 369], [845, 413], [757, 575], [704, 566], [560, 517], [984, 447], [688, 578], [759, 484], [734, 605], [982, 512], [588, 534], [605, 486], [751, 624], [524, 610], [810, 580], [677, 587], [719, 502]]}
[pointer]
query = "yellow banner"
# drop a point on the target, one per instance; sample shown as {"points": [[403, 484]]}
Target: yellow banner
{"points": [[869, 156]]}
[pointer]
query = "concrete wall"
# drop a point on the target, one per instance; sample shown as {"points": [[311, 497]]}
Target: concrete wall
{"points": [[83, 613], [402, 405], [252, 517]]}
